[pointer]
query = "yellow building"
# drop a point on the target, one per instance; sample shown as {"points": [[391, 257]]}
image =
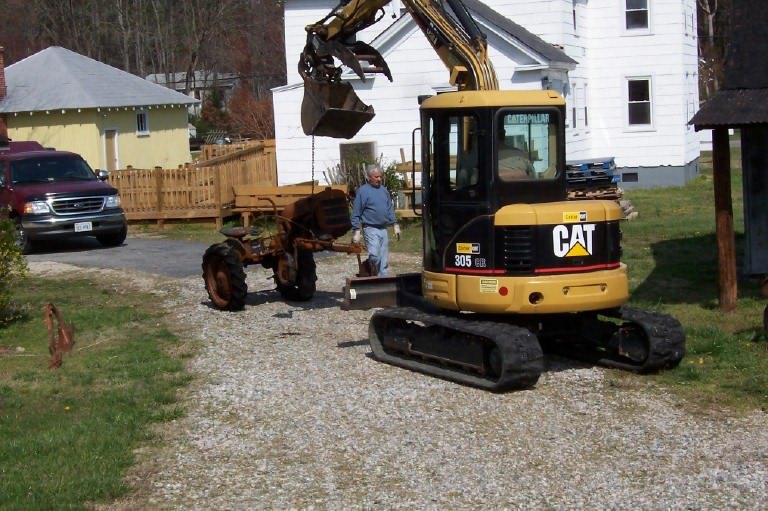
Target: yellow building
{"points": [[112, 118]]}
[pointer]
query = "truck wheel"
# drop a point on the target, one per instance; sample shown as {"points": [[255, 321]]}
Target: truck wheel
{"points": [[306, 277], [22, 240], [224, 277], [114, 239]]}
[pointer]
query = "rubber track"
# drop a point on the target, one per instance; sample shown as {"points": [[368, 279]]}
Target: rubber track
{"points": [[666, 340], [522, 356]]}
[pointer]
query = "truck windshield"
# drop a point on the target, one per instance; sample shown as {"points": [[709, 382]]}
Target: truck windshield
{"points": [[50, 169]]}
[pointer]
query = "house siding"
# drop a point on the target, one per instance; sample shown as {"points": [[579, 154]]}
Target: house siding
{"points": [[416, 71], [64, 131], [166, 145], [606, 53], [83, 132]]}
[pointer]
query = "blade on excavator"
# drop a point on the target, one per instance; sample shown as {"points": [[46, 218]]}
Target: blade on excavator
{"points": [[332, 109]]}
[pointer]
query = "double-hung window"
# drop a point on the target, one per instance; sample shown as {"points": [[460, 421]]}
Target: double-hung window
{"points": [[639, 102], [636, 14]]}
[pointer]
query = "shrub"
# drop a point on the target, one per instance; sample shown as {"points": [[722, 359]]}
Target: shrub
{"points": [[13, 269], [352, 174]]}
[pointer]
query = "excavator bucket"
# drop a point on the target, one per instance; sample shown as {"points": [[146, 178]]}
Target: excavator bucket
{"points": [[331, 109]]}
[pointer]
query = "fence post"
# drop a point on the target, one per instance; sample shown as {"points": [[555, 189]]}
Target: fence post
{"points": [[159, 194], [217, 198]]}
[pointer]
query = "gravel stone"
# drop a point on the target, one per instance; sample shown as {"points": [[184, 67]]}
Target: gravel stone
{"points": [[289, 411]]}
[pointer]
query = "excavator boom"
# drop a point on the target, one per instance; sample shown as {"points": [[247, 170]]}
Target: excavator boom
{"points": [[331, 107]]}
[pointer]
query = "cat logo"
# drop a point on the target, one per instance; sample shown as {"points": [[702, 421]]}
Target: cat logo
{"points": [[572, 240]]}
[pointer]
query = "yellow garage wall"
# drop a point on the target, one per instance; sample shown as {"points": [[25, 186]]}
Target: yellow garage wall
{"points": [[166, 145], [68, 131]]}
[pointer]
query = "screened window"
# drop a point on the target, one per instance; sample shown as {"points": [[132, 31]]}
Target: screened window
{"points": [[142, 123], [639, 101], [636, 14]]}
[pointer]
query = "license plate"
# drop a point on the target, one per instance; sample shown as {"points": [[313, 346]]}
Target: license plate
{"points": [[83, 226]]}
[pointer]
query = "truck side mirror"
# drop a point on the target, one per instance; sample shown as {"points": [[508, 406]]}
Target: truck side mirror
{"points": [[103, 175]]}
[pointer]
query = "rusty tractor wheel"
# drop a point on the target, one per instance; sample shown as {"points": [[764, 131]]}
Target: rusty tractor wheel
{"points": [[224, 277], [306, 276]]}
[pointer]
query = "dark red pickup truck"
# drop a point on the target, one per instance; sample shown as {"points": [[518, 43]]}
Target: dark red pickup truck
{"points": [[55, 194]]}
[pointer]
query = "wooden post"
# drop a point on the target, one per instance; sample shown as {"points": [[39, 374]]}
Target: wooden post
{"points": [[217, 198], [159, 195], [726, 245]]}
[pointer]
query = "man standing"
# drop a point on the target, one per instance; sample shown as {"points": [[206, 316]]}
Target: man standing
{"points": [[372, 212]]}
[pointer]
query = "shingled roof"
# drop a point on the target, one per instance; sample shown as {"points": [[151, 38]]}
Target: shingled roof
{"points": [[743, 98], [58, 78], [529, 39]]}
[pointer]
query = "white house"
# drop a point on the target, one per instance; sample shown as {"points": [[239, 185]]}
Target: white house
{"points": [[627, 68]]}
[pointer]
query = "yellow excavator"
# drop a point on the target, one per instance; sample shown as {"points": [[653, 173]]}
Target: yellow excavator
{"points": [[510, 267]]}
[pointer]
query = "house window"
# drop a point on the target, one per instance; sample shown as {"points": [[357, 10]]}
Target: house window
{"points": [[639, 101], [636, 14], [142, 123], [574, 16], [356, 155]]}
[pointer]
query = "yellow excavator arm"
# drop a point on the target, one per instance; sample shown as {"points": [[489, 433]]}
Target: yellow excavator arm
{"points": [[331, 107]]}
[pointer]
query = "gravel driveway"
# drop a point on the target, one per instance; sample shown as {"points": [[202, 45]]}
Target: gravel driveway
{"points": [[290, 412]]}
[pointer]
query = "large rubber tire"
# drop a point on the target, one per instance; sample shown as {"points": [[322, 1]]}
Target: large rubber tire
{"points": [[22, 240], [224, 277], [114, 239], [306, 277]]}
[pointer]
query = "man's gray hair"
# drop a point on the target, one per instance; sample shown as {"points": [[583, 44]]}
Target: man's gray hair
{"points": [[371, 167]]}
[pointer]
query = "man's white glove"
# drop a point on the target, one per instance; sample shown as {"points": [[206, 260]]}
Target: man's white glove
{"points": [[357, 236], [397, 232]]}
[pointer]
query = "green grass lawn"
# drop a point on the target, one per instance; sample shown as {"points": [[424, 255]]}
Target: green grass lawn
{"points": [[67, 435]]}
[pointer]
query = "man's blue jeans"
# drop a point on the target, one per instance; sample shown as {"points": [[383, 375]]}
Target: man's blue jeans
{"points": [[377, 242]]}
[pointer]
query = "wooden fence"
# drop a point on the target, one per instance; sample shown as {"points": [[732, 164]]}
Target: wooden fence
{"points": [[203, 190]]}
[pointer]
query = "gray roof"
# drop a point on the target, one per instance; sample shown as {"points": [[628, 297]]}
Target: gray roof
{"points": [[57, 78], [743, 98], [199, 79], [529, 39]]}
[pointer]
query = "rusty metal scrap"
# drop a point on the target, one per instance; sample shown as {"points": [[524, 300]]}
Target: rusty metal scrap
{"points": [[61, 338]]}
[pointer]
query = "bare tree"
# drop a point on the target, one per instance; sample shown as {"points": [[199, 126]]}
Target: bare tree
{"points": [[714, 20]]}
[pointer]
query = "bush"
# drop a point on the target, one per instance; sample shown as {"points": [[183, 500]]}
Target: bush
{"points": [[13, 269], [352, 174]]}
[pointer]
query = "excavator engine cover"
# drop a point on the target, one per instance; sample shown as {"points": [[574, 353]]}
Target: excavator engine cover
{"points": [[332, 109]]}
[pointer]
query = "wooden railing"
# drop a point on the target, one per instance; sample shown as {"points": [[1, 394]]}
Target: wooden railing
{"points": [[199, 191]]}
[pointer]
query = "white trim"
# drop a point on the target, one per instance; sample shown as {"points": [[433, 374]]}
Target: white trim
{"points": [[104, 147], [635, 31], [651, 99], [142, 132]]}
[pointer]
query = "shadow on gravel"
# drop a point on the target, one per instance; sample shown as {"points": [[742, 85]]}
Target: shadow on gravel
{"points": [[352, 344], [68, 245], [321, 300]]}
